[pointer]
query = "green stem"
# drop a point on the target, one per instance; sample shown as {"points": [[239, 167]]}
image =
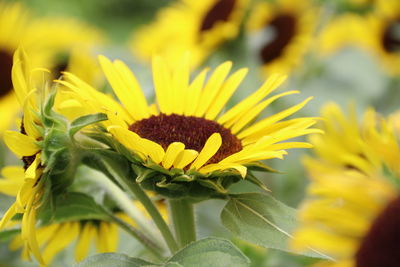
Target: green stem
{"points": [[125, 203], [183, 219], [146, 242], [155, 215]]}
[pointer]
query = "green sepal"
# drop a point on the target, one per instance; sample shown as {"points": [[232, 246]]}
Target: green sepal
{"points": [[84, 121], [261, 167], [252, 179], [49, 118]]}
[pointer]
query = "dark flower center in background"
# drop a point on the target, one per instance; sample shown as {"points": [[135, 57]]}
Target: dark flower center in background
{"points": [[283, 29], [391, 37], [219, 12], [192, 131], [27, 160], [6, 63], [381, 245], [61, 65]]}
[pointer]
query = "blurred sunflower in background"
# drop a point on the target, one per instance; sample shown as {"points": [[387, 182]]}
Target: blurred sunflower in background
{"points": [[189, 25], [280, 33], [351, 211], [14, 26], [70, 46], [381, 35], [54, 43], [376, 32]]}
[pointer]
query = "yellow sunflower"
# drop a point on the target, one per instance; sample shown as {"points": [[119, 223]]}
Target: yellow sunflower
{"points": [[189, 25], [25, 145], [381, 36], [186, 134], [281, 33], [67, 43], [13, 27], [376, 33], [59, 38], [56, 237], [352, 204]]}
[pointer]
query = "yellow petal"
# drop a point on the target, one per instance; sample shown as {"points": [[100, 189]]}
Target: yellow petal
{"points": [[185, 158], [162, 85], [269, 86], [211, 147], [20, 144], [212, 87], [61, 239], [180, 82], [87, 233], [253, 113], [13, 173], [225, 94], [194, 93], [173, 150], [7, 216], [259, 126]]}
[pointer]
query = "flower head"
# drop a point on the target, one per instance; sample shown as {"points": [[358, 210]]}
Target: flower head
{"points": [[351, 209], [184, 139], [281, 33], [190, 25]]}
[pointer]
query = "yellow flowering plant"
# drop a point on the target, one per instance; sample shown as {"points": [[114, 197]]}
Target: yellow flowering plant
{"points": [[184, 148]]}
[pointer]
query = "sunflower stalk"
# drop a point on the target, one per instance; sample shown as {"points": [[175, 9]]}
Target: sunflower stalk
{"points": [[182, 213], [144, 240], [155, 215], [123, 202]]}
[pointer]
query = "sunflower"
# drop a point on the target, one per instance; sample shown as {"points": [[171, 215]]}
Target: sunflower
{"points": [[13, 26], [381, 36], [189, 25], [17, 28], [24, 144], [376, 33], [71, 43], [281, 33], [56, 237], [185, 134], [351, 209]]}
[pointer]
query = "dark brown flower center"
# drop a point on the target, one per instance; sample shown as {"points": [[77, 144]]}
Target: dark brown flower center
{"points": [[6, 62], [381, 245], [191, 131], [391, 37], [283, 29], [221, 11]]}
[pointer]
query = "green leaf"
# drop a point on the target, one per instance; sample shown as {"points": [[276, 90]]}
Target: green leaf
{"points": [[262, 220], [7, 235], [216, 252], [114, 260], [72, 207], [84, 121]]}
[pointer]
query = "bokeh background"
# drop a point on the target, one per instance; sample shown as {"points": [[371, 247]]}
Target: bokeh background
{"points": [[343, 56]]}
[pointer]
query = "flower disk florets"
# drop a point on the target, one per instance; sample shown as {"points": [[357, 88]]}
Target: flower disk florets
{"points": [[189, 130]]}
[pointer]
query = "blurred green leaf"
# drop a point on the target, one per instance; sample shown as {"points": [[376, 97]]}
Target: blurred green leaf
{"points": [[212, 251], [7, 235], [73, 207], [114, 260], [262, 220]]}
